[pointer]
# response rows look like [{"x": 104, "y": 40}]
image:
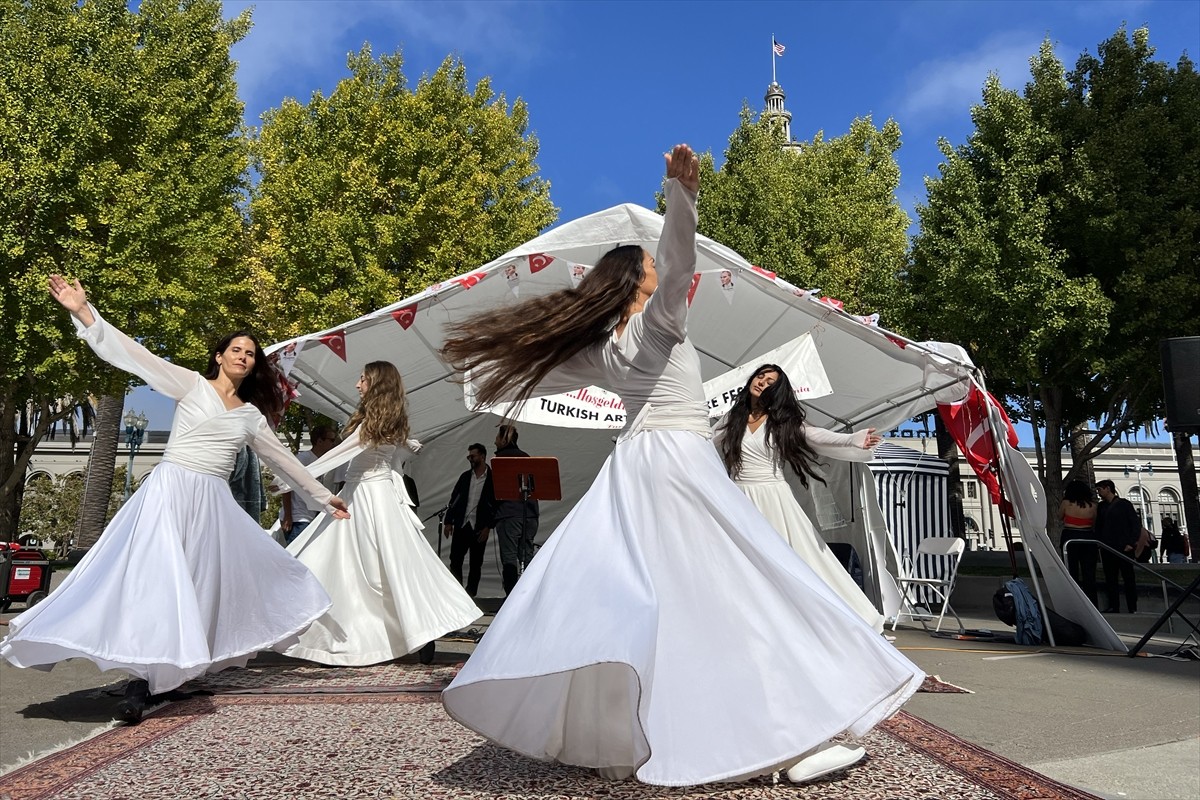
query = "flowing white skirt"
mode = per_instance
[
  {"x": 666, "y": 628},
  {"x": 182, "y": 582},
  {"x": 391, "y": 593},
  {"x": 777, "y": 503}
]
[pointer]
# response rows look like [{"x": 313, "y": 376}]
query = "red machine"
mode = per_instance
[{"x": 24, "y": 575}]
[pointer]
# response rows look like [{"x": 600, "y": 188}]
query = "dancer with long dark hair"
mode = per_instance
[
  {"x": 765, "y": 433},
  {"x": 664, "y": 629},
  {"x": 391, "y": 593},
  {"x": 182, "y": 581}
]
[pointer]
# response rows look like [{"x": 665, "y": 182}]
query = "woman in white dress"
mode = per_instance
[
  {"x": 664, "y": 630},
  {"x": 391, "y": 593},
  {"x": 764, "y": 431},
  {"x": 182, "y": 581}
]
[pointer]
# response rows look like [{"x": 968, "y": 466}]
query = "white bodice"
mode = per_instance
[
  {"x": 759, "y": 462},
  {"x": 205, "y": 435}
]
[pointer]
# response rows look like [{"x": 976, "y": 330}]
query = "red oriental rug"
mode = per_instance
[{"x": 277, "y": 740}]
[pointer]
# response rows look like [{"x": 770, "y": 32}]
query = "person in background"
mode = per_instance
[
  {"x": 1078, "y": 514},
  {"x": 1119, "y": 527},
  {"x": 245, "y": 482},
  {"x": 294, "y": 514},
  {"x": 516, "y": 521},
  {"x": 469, "y": 517},
  {"x": 1174, "y": 544}
]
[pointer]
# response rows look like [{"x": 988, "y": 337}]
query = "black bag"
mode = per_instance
[{"x": 1004, "y": 606}]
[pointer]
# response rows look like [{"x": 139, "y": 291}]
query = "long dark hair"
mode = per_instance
[
  {"x": 510, "y": 350},
  {"x": 1079, "y": 493},
  {"x": 785, "y": 427},
  {"x": 382, "y": 414},
  {"x": 260, "y": 387}
]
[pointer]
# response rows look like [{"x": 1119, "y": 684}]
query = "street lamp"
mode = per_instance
[
  {"x": 135, "y": 429},
  {"x": 1138, "y": 467}
]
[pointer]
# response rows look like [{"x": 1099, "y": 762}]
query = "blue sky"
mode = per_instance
[{"x": 611, "y": 84}]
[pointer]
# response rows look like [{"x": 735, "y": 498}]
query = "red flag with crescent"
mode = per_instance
[
  {"x": 539, "y": 261},
  {"x": 405, "y": 316},
  {"x": 766, "y": 273},
  {"x": 467, "y": 281},
  {"x": 967, "y": 421},
  {"x": 336, "y": 342}
]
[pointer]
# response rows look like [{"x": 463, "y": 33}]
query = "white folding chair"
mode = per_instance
[{"x": 947, "y": 547}]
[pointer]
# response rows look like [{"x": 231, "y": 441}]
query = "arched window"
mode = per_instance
[
  {"x": 1168, "y": 505},
  {"x": 1141, "y": 502}
]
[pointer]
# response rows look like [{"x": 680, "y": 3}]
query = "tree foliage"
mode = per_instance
[
  {"x": 51, "y": 508},
  {"x": 122, "y": 164},
  {"x": 378, "y": 190},
  {"x": 1059, "y": 243},
  {"x": 822, "y": 214}
]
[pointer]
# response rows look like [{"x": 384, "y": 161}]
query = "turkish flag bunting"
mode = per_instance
[
  {"x": 405, "y": 316},
  {"x": 692, "y": 290},
  {"x": 336, "y": 342},
  {"x": 838, "y": 304},
  {"x": 764, "y": 272},
  {"x": 539, "y": 261},
  {"x": 967, "y": 421},
  {"x": 467, "y": 281}
]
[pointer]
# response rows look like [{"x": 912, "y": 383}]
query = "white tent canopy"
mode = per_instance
[{"x": 878, "y": 379}]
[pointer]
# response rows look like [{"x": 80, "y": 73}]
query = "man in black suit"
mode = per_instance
[
  {"x": 516, "y": 521},
  {"x": 469, "y": 517},
  {"x": 1118, "y": 526}
]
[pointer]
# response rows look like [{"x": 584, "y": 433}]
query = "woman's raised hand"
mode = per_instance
[
  {"x": 683, "y": 164},
  {"x": 873, "y": 439},
  {"x": 72, "y": 297}
]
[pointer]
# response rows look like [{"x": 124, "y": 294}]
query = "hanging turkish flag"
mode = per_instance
[
  {"x": 692, "y": 290},
  {"x": 766, "y": 273},
  {"x": 336, "y": 342},
  {"x": 405, "y": 316},
  {"x": 467, "y": 281},
  {"x": 539, "y": 261},
  {"x": 833, "y": 302},
  {"x": 967, "y": 421}
]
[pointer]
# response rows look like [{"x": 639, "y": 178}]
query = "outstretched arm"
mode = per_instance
[
  {"x": 666, "y": 310},
  {"x": 118, "y": 349},
  {"x": 857, "y": 446},
  {"x": 285, "y": 465}
]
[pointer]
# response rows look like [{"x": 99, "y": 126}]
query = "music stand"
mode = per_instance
[{"x": 525, "y": 478}]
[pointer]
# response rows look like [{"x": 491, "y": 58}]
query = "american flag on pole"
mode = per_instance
[{"x": 777, "y": 47}]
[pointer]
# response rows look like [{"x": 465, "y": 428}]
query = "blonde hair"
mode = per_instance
[{"x": 382, "y": 414}]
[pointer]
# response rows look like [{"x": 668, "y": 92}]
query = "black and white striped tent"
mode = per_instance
[{"x": 912, "y": 493}]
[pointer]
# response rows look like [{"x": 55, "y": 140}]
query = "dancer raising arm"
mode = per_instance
[
  {"x": 664, "y": 629},
  {"x": 182, "y": 581},
  {"x": 391, "y": 593},
  {"x": 764, "y": 431}
]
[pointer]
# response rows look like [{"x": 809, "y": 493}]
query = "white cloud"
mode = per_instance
[
  {"x": 944, "y": 87},
  {"x": 297, "y": 47}
]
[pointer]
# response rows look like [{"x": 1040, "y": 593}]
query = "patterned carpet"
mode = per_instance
[{"x": 380, "y": 732}]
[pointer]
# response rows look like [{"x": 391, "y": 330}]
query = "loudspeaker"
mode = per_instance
[{"x": 1181, "y": 382}]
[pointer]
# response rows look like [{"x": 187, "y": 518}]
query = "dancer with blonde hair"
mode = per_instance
[{"x": 391, "y": 593}]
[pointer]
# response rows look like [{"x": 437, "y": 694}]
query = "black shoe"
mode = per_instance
[
  {"x": 426, "y": 652},
  {"x": 133, "y": 704}
]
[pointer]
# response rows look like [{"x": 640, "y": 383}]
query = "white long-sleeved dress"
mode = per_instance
[
  {"x": 762, "y": 479},
  {"x": 182, "y": 581},
  {"x": 665, "y": 629},
  {"x": 391, "y": 593}
]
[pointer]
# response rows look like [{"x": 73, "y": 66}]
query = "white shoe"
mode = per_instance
[{"x": 827, "y": 758}]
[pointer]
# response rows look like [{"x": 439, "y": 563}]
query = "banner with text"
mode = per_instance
[{"x": 798, "y": 358}]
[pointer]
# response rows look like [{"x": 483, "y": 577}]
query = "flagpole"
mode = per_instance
[{"x": 772, "y": 58}]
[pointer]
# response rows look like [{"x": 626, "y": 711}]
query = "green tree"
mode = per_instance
[
  {"x": 1059, "y": 244},
  {"x": 822, "y": 214},
  {"x": 122, "y": 162},
  {"x": 377, "y": 190}
]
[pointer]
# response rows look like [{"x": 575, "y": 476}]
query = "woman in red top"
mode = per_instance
[{"x": 1078, "y": 513}]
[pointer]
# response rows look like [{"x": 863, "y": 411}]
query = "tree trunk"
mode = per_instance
[
  {"x": 10, "y": 504},
  {"x": 1083, "y": 469},
  {"x": 1052, "y": 482},
  {"x": 1187, "y": 483},
  {"x": 102, "y": 462}
]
